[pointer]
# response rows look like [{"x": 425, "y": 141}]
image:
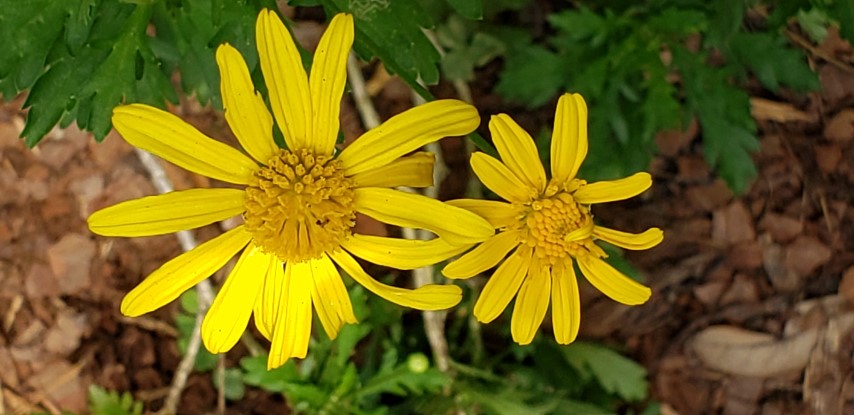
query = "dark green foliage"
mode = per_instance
[
  {"x": 80, "y": 59},
  {"x": 392, "y": 31},
  {"x": 623, "y": 60}
]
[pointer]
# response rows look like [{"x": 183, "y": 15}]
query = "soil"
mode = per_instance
[{"x": 751, "y": 312}]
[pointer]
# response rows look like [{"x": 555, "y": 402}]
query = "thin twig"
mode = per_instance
[
  {"x": 808, "y": 45},
  {"x": 205, "y": 292},
  {"x": 364, "y": 105},
  {"x": 252, "y": 345},
  {"x": 219, "y": 380},
  {"x": 434, "y": 321}
]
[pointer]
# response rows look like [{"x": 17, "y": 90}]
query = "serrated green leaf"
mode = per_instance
[
  {"x": 29, "y": 30},
  {"x": 401, "y": 381},
  {"x": 580, "y": 25},
  {"x": 679, "y": 22},
  {"x": 102, "y": 59},
  {"x": 392, "y": 31},
  {"x": 256, "y": 373},
  {"x": 616, "y": 373},
  {"x": 104, "y": 402},
  {"x": 724, "y": 115},
  {"x": 726, "y": 17},
  {"x": 773, "y": 63},
  {"x": 531, "y": 76}
]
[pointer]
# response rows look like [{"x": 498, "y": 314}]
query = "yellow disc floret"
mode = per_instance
[
  {"x": 300, "y": 205},
  {"x": 557, "y": 225}
]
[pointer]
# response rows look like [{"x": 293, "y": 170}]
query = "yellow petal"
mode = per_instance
[
  {"x": 426, "y": 297},
  {"x": 612, "y": 190},
  {"x": 228, "y": 316},
  {"x": 293, "y": 320},
  {"x": 498, "y": 178},
  {"x": 634, "y": 241},
  {"x": 330, "y": 297},
  {"x": 245, "y": 110},
  {"x": 611, "y": 282},
  {"x": 566, "y": 304},
  {"x": 284, "y": 74},
  {"x": 415, "y": 170},
  {"x": 457, "y": 226},
  {"x": 485, "y": 256},
  {"x": 408, "y": 131},
  {"x": 569, "y": 138},
  {"x": 531, "y": 304},
  {"x": 401, "y": 253},
  {"x": 326, "y": 83},
  {"x": 498, "y": 214},
  {"x": 503, "y": 285},
  {"x": 270, "y": 298},
  {"x": 183, "y": 272},
  {"x": 167, "y": 213},
  {"x": 517, "y": 151},
  {"x": 177, "y": 142}
]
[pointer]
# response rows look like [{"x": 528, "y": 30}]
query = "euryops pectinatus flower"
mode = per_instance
[
  {"x": 299, "y": 204},
  {"x": 546, "y": 223}
]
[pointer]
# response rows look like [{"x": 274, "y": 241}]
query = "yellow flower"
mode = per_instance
[
  {"x": 299, "y": 204},
  {"x": 548, "y": 222}
]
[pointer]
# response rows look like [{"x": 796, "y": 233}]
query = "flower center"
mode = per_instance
[
  {"x": 558, "y": 226},
  {"x": 299, "y": 206}
]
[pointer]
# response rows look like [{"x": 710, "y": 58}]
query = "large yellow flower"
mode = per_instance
[
  {"x": 548, "y": 222},
  {"x": 298, "y": 204}
]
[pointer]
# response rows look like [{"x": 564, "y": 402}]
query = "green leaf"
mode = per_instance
[
  {"x": 189, "y": 32},
  {"x": 814, "y": 22},
  {"x": 29, "y": 30},
  {"x": 616, "y": 373},
  {"x": 233, "y": 382},
  {"x": 276, "y": 380},
  {"x": 724, "y": 115},
  {"x": 773, "y": 62},
  {"x": 470, "y": 9},
  {"x": 726, "y": 18},
  {"x": 189, "y": 301},
  {"x": 402, "y": 381},
  {"x": 531, "y": 76},
  {"x": 103, "y": 58},
  {"x": 581, "y": 25},
  {"x": 843, "y": 12},
  {"x": 104, "y": 402},
  {"x": 205, "y": 360},
  {"x": 392, "y": 31},
  {"x": 466, "y": 51}
]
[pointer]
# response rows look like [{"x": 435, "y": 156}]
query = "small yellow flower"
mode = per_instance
[
  {"x": 549, "y": 223},
  {"x": 299, "y": 204}
]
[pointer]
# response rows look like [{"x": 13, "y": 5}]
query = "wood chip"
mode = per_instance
[
  {"x": 70, "y": 260},
  {"x": 733, "y": 224},
  {"x": 767, "y": 110},
  {"x": 846, "y": 286},
  {"x": 828, "y": 157},
  {"x": 781, "y": 227},
  {"x": 806, "y": 254},
  {"x": 840, "y": 128},
  {"x": 737, "y": 351}
]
